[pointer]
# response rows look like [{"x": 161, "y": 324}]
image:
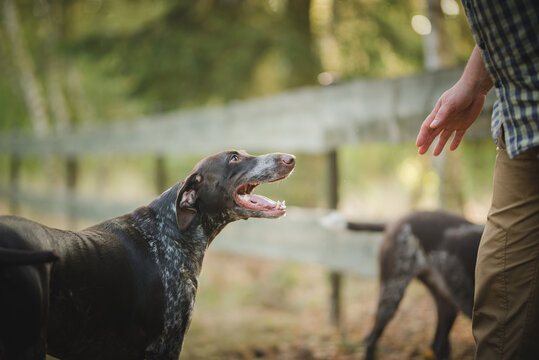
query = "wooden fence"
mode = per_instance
[{"x": 311, "y": 120}]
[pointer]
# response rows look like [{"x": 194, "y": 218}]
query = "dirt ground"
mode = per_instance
[{"x": 261, "y": 309}]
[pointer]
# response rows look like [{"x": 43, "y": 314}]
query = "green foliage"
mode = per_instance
[
  {"x": 136, "y": 57},
  {"x": 201, "y": 52},
  {"x": 376, "y": 38},
  {"x": 478, "y": 159},
  {"x": 13, "y": 112}
]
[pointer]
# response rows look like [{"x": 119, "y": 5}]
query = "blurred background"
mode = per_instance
[{"x": 70, "y": 67}]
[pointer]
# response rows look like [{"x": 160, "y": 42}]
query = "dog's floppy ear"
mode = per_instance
[{"x": 186, "y": 201}]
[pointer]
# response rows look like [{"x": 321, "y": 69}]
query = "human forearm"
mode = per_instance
[{"x": 475, "y": 75}]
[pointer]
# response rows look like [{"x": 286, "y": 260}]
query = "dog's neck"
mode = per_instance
[
  {"x": 178, "y": 256},
  {"x": 192, "y": 242}
]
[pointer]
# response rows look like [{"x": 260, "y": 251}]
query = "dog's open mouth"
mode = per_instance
[{"x": 246, "y": 199}]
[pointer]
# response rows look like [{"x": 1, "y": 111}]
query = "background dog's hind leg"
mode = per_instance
[
  {"x": 447, "y": 313},
  {"x": 401, "y": 259},
  {"x": 391, "y": 293}
]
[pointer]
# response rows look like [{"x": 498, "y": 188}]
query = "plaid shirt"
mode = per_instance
[{"x": 507, "y": 33}]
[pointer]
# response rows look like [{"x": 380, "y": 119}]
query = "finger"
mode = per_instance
[
  {"x": 424, "y": 133},
  {"x": 433, "y": 133},
  {"x": 443, "y": 113},
  {"x": 423, "y": 149},
  {"x": 444, "y": 136},
  {"x": 457, "y": 139},
  {"x": 434, "y": 112},
  {"x": 425, "y": 129}
]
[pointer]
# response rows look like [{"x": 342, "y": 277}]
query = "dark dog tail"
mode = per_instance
[
  {"x": 13, "y": 257},
  {"x": 360, "y": 226}
]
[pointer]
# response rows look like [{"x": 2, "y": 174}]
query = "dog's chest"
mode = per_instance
[{"x": 180, "y": 284}]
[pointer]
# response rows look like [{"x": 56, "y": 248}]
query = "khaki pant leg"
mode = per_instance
[{"x": 506, "y": 305}]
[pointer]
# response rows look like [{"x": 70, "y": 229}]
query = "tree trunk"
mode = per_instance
[
  {"x": 436, "y": 56},
  {"x": 304, "y": 60},
  {"x": 28, "y": 81},
  {"x": 323, "y": 27}
]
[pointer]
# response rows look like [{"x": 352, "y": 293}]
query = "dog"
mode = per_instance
[
  {"x": 23, "y": 293},
  {"x": 440, "y": 250},
  {"x": 125, "y": 288}
]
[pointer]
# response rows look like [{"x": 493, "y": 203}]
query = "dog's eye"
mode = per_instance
[{"x": 234, "y": 158}]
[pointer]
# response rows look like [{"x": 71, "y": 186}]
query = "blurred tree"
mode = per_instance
[
  {"x": 375, "y": 39},
  {"x": 437, "y": 55},
  {"x": 29, "y": 84},
  {"x": 208, "y": 51},
  {"x": 111, "y": 59}
]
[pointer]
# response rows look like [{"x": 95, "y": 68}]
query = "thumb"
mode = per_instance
[{"x": 441, "y": 115}]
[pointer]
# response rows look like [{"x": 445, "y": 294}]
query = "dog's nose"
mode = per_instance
[{"x": 288, "y": 159}]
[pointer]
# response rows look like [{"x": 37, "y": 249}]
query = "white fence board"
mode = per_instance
[
  {"x": 299, "y": 236},
  {"x": 310, "y": 120}
]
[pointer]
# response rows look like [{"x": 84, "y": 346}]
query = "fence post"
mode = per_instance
[
  {"x": 14, "y": 175},
  {"x": 450, "y": 193},
  {"x": 71, "y": 179},
  {"x": 335, "y": 278},
  {"x": 160, "y": 174}
]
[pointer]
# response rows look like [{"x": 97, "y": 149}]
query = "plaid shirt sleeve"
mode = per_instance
[{"x": 507, "y": 33}]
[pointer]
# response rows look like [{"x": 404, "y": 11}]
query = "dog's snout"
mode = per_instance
[{"x": 288, "y": 160}]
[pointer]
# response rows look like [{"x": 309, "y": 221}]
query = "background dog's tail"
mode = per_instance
[
  {"x": 12, "y": 257},
  {"x": 363, "y": 226},
  {"x": 334, "y": 220}
]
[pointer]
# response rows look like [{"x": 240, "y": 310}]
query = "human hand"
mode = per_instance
[{"x": 455, "y": 112}]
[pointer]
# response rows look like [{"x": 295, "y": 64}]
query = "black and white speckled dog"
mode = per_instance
[
  {"x": 125, "y": 288},
  {"x": 440, "y": 250}
]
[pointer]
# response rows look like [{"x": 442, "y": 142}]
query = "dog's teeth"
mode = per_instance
[{"x": 284, "y": 203}]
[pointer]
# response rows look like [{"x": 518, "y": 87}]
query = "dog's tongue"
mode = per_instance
[{"x": 259, "y": 202}]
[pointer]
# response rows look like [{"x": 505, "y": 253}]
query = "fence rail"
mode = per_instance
[
  {"x": 311, "y": 120},
  {"x": 300, "y": 236}
]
